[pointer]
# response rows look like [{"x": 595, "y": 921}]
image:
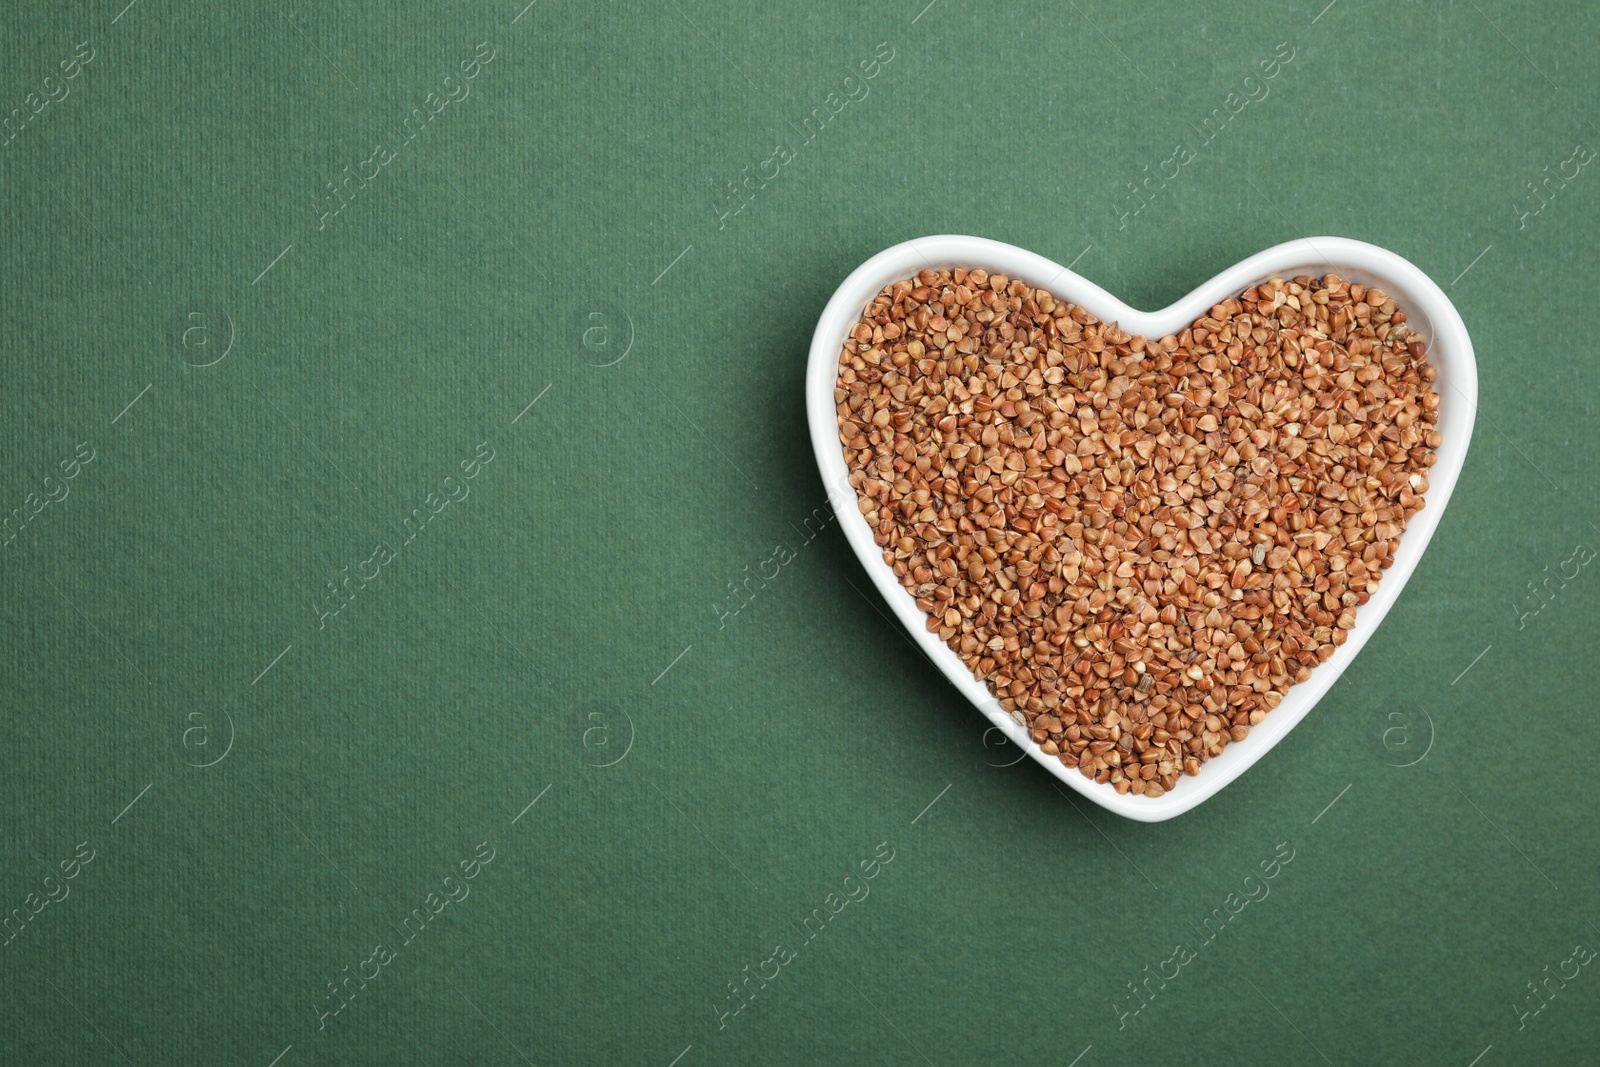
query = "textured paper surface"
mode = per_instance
[{"x": 371, "y": 523}]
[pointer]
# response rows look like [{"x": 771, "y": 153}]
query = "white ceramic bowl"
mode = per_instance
[{"x": 1428, "y": 311}]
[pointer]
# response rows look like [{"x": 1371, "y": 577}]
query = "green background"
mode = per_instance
[{"x": 568, "y": 612}]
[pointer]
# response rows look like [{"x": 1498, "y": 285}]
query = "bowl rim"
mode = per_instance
[{"x": 1428, "y": 310}]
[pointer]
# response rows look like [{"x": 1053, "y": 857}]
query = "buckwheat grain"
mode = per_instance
[{"x": 1138, "y": 545}]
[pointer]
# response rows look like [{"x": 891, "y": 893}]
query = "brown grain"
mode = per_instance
[{"x": 1138, "y": 545}]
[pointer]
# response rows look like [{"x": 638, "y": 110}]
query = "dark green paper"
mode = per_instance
[{"x": 293, "y": 274}]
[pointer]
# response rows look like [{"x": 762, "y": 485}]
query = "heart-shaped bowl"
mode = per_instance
[{"x": 1428, "y": 312}]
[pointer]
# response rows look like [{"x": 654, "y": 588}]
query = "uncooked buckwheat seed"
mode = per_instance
[{"x": 1139, "y": 546}]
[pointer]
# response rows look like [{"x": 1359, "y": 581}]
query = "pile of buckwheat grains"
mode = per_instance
[{"x": 1138, "y": 545}]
